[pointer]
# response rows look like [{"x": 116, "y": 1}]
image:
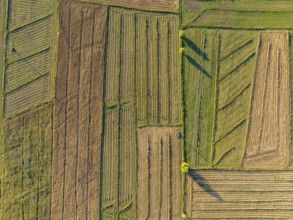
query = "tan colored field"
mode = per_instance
[
  {"x": 78, "y": 112},
  {"x": 159, "y": 177},
  {"x": 239, "y": 194},
  {"x": 268, "y": 137}
]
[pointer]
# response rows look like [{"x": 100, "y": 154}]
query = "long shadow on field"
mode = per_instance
[
  {"x": 203, "y": 183},
  {"x": 195, "y": 48},
  {"x": 197, "y": 66}
]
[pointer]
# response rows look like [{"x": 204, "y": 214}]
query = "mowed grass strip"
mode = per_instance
[
  {"x": 110, "y": 162},
  {"x": 199, "y": 89},
  {"x": 153, "y": 71},
  {"x": 191, "y": 97},
  {"x": 175, "y": 83},
  {"x": 127, "y": 141},
  {"x": 127, "y": 155},
  {"x": 141, "y": 69},
  {"x": 234, "y": 19},
  {"x": 163, "y": 78},
  {"x": 113, "y": 52},
  {"x": 159, "y": 92},
  {"x": 127, "y": 82}
]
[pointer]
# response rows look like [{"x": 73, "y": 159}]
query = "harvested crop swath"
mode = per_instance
[
  {"x": 163, "y": 78},
  {"x": 79, "y": 111},
  {"x": 127, "y": 144},
  {"x": 268, "y": 134},
  {"x": 159, "y": 158},
  {"x": 158, "y": 82},
  {"x": 141, "y": 69},
  {"x": 113, "y": 63},
  {"x": 110, "y": 162},
  {"x": 152, "y": 35},
  {"x": 32, "y": 93},
  {"x": 127, "y": 160},
  {"x": 24, "y": 71},
  {"x": 28, "y": 11},
  {"x": 28, "y": 66},
  {"x": 27, "y": 164},
  {"x": 127, "y": 82},
  {"x": 175, "y": 83},
  {"x": 119, "y": 131},
  {"x": 19, "y": 41}
]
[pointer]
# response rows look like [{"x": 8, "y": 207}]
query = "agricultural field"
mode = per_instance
[
  {"x": 142, "y": 89},
  {"x": 27, "y": 165},
  {"x": 236, "y": 76},
  {"x": 269, "y": 133},
  {"x": 28, "y": 67},
  {"x": 146, "y": 109},
  {"x": 237, "y": 109},
  {"x": 159, "y": 179},
  {"x": 27, "y": 71},
  {"x": 100, "y": 106},
  {"x": 238, "y": 194},
  {"x": 78, "y": 111}
]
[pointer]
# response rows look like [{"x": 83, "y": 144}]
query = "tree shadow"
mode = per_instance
[
  {"x": 203, "y": 183},
  {"x": 197, "y": 66},
  {"x": 195, "y": 48}
]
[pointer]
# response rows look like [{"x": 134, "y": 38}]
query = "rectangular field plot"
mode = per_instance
[
  {"x": 269, "y": 131},
  {"x": 159, "y": 177},
  {"x": 79, "y": 111},
  {"x": 146, "y": 63},
  {"x": 29, "y": 54},
  {"x": 239, "y": 194},
  {"x": 142, "y": 87},
  {"x": 27, "y": 165}
]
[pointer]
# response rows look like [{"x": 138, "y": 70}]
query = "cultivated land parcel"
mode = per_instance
[{"x": 146, "y": 109}]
